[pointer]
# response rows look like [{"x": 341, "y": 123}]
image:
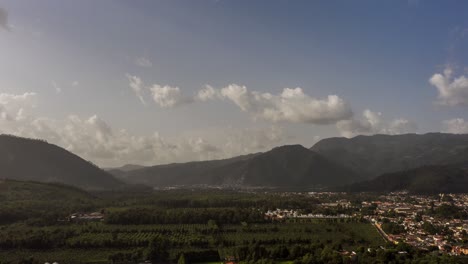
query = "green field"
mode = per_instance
[{"x": 96, "y": 242}]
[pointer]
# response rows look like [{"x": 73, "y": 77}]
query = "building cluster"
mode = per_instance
[
  {"x": 417, "y": 218},
  {"x": 420, "y": 227},
  {"x": 281, "y": 214},
  {"x": 86, "y": 217}
]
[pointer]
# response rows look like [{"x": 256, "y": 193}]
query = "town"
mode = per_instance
[{"x": 431, "y": 223}]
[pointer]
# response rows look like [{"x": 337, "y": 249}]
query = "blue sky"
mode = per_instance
[{"x": 393, "y": 67}]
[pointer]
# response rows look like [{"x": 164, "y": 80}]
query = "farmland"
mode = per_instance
[{"x": 99, "y": 242}]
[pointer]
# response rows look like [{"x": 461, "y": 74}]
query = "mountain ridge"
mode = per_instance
[
  {"x": 375, "y": 155},
  {"x": 289, "y": 165}
]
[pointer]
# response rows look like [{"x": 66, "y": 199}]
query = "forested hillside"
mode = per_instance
[
  {"x": 36, "y": 160},
  {"x": 372, "y": 156}
]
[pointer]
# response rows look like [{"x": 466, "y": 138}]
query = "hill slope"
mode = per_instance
[
  {"x": 372, "y": 156},
  {"x": 15, "y": 191},
  {"x": 287, "y": 166},
  {"x": 40, "y": 203},
  {"x": 35, "y": 160},
  {"x": 424, "y": 180}
]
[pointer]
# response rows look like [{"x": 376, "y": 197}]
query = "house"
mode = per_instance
[
  {"x": 458, "y": 250},
  {"x": 85, "y": 217}
]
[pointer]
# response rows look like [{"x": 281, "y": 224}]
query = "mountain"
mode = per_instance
[
  {"x": 120, "y": 172},
  {"x": 423, "y": 180},
  {"x": 372, "y": 156},
  {"x": 36, "y": 160},
  {"x": 286, "y": 166},
  {"x": 127, "y": 167},
  {"x": 190, "y": 173}
]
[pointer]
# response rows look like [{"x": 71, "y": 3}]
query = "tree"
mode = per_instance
[
  {"x": 158, "y": 249},
  {"x": 182, "y": 259}
]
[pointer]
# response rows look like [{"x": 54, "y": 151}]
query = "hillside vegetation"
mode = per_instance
[
  {"x": 40, "y": 203},
  {"x": 371, "y": 156},
  {"x": 424, "y": 180},
  {"x": 286, "y": 166}
]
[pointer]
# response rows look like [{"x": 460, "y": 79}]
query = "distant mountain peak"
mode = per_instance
[{"x": 295, "y": 147}]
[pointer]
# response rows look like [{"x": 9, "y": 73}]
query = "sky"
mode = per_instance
[{"x": 155, "y": 82}]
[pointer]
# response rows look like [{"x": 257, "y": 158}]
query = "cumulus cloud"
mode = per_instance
[
  {"x": 452, "y": 90},
  {"x": 13, "y": 106},
  {"x": 167, "y": 96},
  {"x": 207, "y": 93},
  {"x": 456, "y": 126},
  {"x": 4, "y": 20},
  {"x": 137, "y": 86},
  {"x": 143, "y": 62},
  {"x": 373, "y": 123},
  {"x": 292, "y": 105}
]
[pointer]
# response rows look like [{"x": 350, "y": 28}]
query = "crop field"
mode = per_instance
[{"x": 98, "y": 242}]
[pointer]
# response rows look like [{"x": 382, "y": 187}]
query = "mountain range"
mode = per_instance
[
  {"x": 331, "y": 162},
  {"x": 371, "y": 156},
  {"x": 286, "y": 166}
]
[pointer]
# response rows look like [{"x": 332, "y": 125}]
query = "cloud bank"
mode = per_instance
[
  {"x": 291, "y": 105},
  {"x": 96, "y": 140},
  {"x": 167, "y": 96},
  {"x": 373, "y": 123},
  {"x": 455, "y": 126}
]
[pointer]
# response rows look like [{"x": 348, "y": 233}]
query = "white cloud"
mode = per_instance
[
  {"x": 137, "y": 86},
  {"x": 373, "y": 123},
  {"x": 207, "y": 93},
  {"x": 75, "y": 83},
  {"x": 292, "y": 105},
  {"x": 167, "y": 96},
  {"x": 456, "y": 126},
  {"x": 143, "y": 62},
  {"x": 15, "y": 99},
  {"x": 4, "y": 20},
  {"x": 452, "y": 91}
]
